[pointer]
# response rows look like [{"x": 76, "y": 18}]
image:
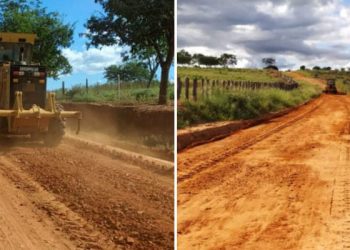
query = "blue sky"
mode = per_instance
[{"x": 86, "y": 63}]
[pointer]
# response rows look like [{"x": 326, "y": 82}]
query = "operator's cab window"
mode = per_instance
[{"x": 17, "y": 53}]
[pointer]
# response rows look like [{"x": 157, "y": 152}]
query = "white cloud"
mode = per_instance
[
  {"x": 270, "y": 9},
  {"x": 93, "y": 61},
  {"x": 295, "y": 32}
]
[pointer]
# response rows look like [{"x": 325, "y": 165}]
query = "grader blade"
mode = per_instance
[{"x": 18, "y": 116}]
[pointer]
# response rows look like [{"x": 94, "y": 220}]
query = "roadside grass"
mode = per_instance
[
  {"x": 244, "y": 104},
  {"x": 226, "y": 74},
  {"x": 342, "y": 87},
  {"x": 131, "y": 93}
]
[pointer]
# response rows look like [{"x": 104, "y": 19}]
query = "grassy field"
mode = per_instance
[
  {"x": 226, "y": 74},
  {"x": 345, "y": 88},
  {"x": 130, "y": 93},
  {"x": 244, "y": 104}
]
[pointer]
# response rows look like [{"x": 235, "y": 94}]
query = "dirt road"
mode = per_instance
[
  {"x": 77, "y": 196},
  {"x": 284, "y": 184}
]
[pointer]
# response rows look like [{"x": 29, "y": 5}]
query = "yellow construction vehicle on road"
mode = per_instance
[{"x": 26, "y": 108}]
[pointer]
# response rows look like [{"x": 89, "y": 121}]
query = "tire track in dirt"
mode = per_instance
[
  {"x": 248, "y": 143},
  {"x": 22, "y": 226},
  {"x": 275, "y": 194},
  {"x": 93, "y": 198},
  {"x": 340, "y": 199}
]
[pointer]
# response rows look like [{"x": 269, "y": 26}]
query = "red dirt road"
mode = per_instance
[
  {"x": 76, "y": 196},
  {"x": 284, "y": 184}
]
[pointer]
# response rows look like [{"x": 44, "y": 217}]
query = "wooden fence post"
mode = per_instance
[
  {"x": 187, "y": 87},
  {"x": 207, "y": 89},
  {"x": 203, "y": 86},
  {"x": 63, "y": 88},
  {"x": 87, "y": 85},
  {"x": 194, "y": 92},
  {"x": 179, "y": 88}
]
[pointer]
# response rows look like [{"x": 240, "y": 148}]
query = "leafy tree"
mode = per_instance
[
  {"x": 269, "y": 61},
  {"x": 53, "y": 33},
  {"x": 227, "y": 59},
  {"x": 183, "y": 57},
  {"x": 196, "y": 58},
  {"x": 205, "y": 60},
  {"x": 209, "y": 61},
  {"x": 148, "y": 57},
  {"x": 316, "y": 68},
  {"x": 138, "y": 24},
  {"x": 130, "y": 72},
  {"x": 327, "y": 68},
  {"x": 302, "y": 67}
]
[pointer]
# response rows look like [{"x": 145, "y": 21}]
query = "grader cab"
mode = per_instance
[{"x": 25, "y": 106}]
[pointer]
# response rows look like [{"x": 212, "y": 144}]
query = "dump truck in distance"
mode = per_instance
[{"x": 26, "y": 108}]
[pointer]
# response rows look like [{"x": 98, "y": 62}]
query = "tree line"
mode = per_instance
[
  {"x": 225, "y": 60},
  {"x": 327, "y": 68}
]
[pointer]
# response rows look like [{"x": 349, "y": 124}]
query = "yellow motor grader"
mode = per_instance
[{"x": 26, "y": 108}]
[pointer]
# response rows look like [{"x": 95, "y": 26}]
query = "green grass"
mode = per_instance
[
  {"x": 226, "y": 74},
  {"x": 245, "y": 104},
  {"x": 132, "y": 93},
  {"x": 342, "y": 87}
]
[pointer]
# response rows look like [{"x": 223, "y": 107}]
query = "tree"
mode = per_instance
[
  {"x": 327, "y": 68},
  {"x": 138, "y": 24},
  {"x": 316, "y": 68},
  {"x": 205, "y": 60},
  {"x": 183, "y": 57},
  {"x": 269, "y": 61},
  {"x": 227, "y": 59},
  {"x": 302, "y": 67},
  {"x": 196, "y": 58},
  {"x": 130, "y": 72},
  {"x": 208, "y": 61},
  {"x": 148, "y": 57},
  {"x": 53, "y": 33}
]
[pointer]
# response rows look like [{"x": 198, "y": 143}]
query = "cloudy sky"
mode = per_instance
[
  {"x": 295, "y": 32},
  {"x": 86, "y": 63}
]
